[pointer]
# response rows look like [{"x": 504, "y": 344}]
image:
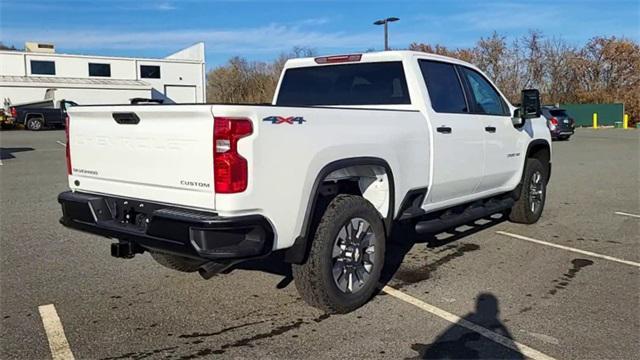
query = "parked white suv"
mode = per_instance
[{"x": 352, "y": 145}]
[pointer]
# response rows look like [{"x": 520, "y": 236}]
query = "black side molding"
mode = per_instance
[
  {"x": 126, "y": 118},
  {"x": 411, "y": 205}
]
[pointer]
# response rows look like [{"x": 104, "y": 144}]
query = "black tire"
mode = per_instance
[
  {"x": 315, "y": 279},
  {"x": 34, "y": 124},
  {"x": 563, "y": 138},
  {"x": 523, "y": 211},
  {"x": 177, "y": 263}
]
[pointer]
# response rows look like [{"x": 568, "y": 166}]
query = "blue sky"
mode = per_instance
[{"x": 260, "y": 30}]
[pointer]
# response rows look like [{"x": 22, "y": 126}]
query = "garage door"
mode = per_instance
[{"x": 180, "y": 94}]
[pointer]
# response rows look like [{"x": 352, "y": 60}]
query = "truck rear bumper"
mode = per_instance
[{"x": 158, "y": 227}]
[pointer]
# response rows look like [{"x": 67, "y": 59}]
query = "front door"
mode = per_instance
[{"x": 502, "y": 157}]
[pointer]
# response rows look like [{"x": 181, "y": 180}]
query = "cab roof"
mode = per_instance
[{"x": 394, "y": 55}]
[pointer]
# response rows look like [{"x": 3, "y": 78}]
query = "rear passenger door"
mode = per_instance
[
  {"x": 488, "y": 108},
  {"x": 458, "y": 143}
]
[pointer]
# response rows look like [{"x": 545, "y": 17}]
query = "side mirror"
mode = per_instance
[{"x": 530, "y": 104}]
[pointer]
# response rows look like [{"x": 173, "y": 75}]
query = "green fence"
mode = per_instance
[{"x": 608, "y": 114}]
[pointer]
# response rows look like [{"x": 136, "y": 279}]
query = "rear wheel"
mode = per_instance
[
  {"x": 533, "y": 193},
  {"x": 177, "y": 263},
  {"x": 346, "y": 257},
  {"x": 35, "y": 123}
]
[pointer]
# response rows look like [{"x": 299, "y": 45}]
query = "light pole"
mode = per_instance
[{"x": 386, "y": 31}]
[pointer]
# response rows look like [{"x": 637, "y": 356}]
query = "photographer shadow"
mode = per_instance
[{"x": 458, "y": 342}]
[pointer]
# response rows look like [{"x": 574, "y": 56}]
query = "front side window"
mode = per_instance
[
  {"x": 443, "y": 85},
  {"x": 485, "y": 98},
  {"x": 150, "y": 71},
  {"x": 39, "y": 67},
  {"x": 103, "y": 70},
  {"x": 376, "y": 83}
]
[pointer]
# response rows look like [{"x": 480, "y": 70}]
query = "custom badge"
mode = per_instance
[{"x": 285, "y": 120}]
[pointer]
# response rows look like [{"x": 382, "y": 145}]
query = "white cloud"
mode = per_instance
[{"x": 271, "y": 38}]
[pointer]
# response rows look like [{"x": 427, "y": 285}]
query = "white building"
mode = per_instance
[{"x": 27, "y": 75}]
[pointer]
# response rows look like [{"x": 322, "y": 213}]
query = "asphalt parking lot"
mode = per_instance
[{"x": 565, "y": 288}]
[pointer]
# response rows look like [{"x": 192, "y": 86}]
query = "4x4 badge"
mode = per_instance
[{"x": 285, "y": 120}]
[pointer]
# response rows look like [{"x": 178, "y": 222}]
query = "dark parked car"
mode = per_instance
[
  {"x": 38, "y": 115},
  {"x": 560, "y": 124}
]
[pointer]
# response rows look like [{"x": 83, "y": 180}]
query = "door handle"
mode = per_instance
[
  {"x": 444, "y": 130},
  {"x": 490, "y": 129}
]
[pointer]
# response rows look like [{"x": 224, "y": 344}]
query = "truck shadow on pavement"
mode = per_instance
[
  {"x": 403, "y": 238},
  {"x": 7, "y": 153},
  {"x": 456, "y": 342},
  {"x": 399, "y": 244}
]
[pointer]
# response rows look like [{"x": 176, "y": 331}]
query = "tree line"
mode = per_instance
[{"x": 602, "y": 70}]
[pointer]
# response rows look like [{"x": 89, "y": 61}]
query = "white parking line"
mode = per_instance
[
  {"x": 495, "y": 337},
  {"x": 583, "y": 252},
  {"x": 58, "y": 343},
  {"x": 61, "y": 143},
  {"x": 627, "y": 214}
]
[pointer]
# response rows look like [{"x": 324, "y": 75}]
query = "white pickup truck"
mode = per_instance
[{"x": 351, "y": 146}]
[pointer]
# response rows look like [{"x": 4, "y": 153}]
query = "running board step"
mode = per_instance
[{"x": 470, "y": 214}]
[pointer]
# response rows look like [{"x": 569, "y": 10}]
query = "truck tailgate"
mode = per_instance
[{"x": 161, "y": 153}]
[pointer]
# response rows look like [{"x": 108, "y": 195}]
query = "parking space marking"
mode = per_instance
[
  {"x": 58, "y": 343},
  {"x": 495, "y": 337},
  {"x": 627, "y": 214},
  {"x": 61, "y": 143},
  {"x": 583, "y": 252}
]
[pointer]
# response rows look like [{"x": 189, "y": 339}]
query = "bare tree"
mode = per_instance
[
  {"x": 604, "y": 70},
  {"x": 241, "y": 81}
]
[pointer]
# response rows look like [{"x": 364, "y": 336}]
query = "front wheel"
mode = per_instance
[
  {"x": 346, "y": 257},
  {"x": 533, "y": 193}
]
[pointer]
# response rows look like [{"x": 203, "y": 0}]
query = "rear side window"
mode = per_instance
[
  {"x": 381, "y": 83},
  {"x": 443, "y": 84},
  {"x": 486, "y": 99}
]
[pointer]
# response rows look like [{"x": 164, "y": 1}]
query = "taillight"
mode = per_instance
[
  {"x": 68, "y": 145},
  {"x": 554, "y": 121},
  {"x": 14, "y": 112},
  {"x": 230, "y": 169}
]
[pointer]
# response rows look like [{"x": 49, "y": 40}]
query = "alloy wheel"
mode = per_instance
[{"x": 353, "y": 255}]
